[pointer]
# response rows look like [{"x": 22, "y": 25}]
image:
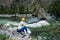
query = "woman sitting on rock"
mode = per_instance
[{"x": 22, "y": 28}]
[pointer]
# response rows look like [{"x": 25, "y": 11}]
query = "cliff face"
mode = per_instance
[
  {"x": 5, "y": 2},
  {"x": 43, "y": 2},
  {"x": 30, "y": 4},
  {"x": 46, "y": 2}
]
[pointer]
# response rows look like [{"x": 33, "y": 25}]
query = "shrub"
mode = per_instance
[{"x": 3, "y": 37}]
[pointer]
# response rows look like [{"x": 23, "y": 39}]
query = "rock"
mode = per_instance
[
  {"x": 15, "y": 35},
  {"x": 39, "y": 24},
  {"x": 3, "y": 27}
]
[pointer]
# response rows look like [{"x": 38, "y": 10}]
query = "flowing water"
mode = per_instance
[
  {"x": 37, "y": 33},
  {"x": 12, "y": 21},
  {"x": 15, "y": 35}
]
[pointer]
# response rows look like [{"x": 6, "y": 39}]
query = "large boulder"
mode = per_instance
[{"x": 3, "y": 27}]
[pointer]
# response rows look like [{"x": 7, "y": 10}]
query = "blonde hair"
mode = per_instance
[{"x": 22, "y": 19}]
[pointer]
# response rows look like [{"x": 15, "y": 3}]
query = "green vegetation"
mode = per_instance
[
  {"x": 3, "y": 37},
  {"x": 15, "y": 8},
  {"x": 51, "y": 32},
  {"x": 54, "y": 8}
]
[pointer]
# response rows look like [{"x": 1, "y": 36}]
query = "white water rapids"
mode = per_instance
[{"x": 18, "y": 36}]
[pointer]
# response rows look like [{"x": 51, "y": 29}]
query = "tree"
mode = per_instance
[
  {"x": 22, "y": 9},
  {"x": 6, "y": 10},
  {"x": 54, "y": 8},
  {"x": 1, "y": 9}
]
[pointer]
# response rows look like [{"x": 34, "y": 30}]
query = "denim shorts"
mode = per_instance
[{"x": 22, "y": 29}]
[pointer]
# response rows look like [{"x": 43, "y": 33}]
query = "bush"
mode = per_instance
[
  {"x": 3, "y": 37},
  {"x": 51, "y": 32},
  {"x": 54, "y": 8}
]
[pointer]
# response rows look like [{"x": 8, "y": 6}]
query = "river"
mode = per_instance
[{"x": 43, "y": 33}]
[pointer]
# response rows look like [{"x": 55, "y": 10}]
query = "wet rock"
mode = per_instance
[
  {"x": 3, "y": 27},
  {"x": 15, "y": 35}
]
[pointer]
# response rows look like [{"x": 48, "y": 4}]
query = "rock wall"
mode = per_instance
[{"x": 44, "y": 2}]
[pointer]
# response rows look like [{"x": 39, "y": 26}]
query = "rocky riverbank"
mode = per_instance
[{"x": 15, "y": 35}]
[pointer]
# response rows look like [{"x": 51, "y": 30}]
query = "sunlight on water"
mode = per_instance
[
  {"x": 15, "y": 23},
  {"x": 6, "y": 21}
]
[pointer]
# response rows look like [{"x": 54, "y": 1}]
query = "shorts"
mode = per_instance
[{"x": 22, "y": 29}]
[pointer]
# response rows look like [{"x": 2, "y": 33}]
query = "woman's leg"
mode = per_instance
[
  {"x": 25, "y": 28},
  {"x": 20, "y": 31}
]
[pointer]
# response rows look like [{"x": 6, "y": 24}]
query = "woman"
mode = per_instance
[{"x": 22, "y": 27}]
